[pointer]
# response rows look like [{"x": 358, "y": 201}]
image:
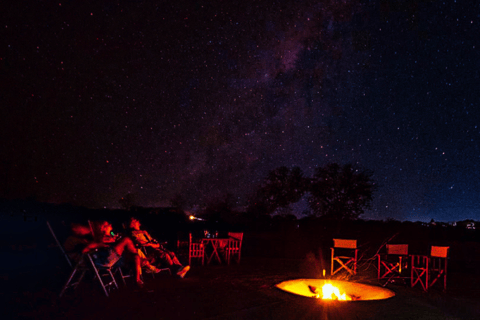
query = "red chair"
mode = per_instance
[
  {"x": 196, "y": 250},
  {"x": 393, "y": 263},
  {"x": 427, "y": 270},
  {"x": 345, "y": 254},
  {"x": 234, "y": 248}
]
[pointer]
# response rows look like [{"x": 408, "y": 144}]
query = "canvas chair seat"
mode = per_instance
[{"x": 344, "y": 255}]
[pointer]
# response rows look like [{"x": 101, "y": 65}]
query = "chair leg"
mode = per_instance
[
  {"x": 121, "y": 275},
  {"x": 331, "y": 259},
  {"x": 67, "y": 285}
]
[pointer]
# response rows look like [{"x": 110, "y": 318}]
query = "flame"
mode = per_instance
[{"x": 332, "y": 293}]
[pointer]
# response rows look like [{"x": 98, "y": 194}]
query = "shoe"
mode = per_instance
[
  {"x": 183, "y": 271},
  {"x": 153, "y": 269}
]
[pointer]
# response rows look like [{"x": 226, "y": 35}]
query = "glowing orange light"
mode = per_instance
[
  {"x": 332, "y": 293},
  {"x": 192, "y": 217}
]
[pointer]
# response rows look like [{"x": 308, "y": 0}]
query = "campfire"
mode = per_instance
[
  {"x": 329, "y": 292},
  {"x": 335, "y": 290}
]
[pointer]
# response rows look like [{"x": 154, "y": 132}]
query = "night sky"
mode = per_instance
[{"x": 202, "y": 98}]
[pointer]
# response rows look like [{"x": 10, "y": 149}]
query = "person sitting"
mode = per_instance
[
  {"x": 143, "y": 238},
  {"x": 111, "y": 248}
]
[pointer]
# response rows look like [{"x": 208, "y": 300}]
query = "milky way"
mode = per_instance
[{"x": 201, "y": 99}]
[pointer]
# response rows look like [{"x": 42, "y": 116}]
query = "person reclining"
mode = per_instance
[
  {"x": 143, "y": 238},
  {"x": 111, "y": 248}
]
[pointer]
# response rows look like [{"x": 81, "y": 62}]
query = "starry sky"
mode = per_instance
[{"x": 199, "y": 99}]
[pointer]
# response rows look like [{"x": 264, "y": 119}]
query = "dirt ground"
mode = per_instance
[{"x": 244, "y": 291}]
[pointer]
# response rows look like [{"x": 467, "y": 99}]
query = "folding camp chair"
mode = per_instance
[
  {"x": 426, "y": 270},
  {"x": 344, "y": 253},
  {"x": 104, "y": 275},
  {"x": 94, "y": 228},
  {"x": 392, "y": 265},
  {"x": 196, "y": 250},
  {"x": 145, "y": 252},
  {"x": 60, "y": 246},
  {"x": 234, "y": 247}
]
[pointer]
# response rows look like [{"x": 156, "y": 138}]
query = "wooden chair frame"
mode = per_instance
[
  {"x": 234, "y": 248},
  {"x": 427, "y": 270},
  {"x": 196, "y": 250},
  {"x": 348, "y": 258},
  {"x": 392, "y": 264}
]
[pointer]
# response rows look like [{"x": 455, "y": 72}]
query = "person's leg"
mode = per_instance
[
  {"x": 174, "y": 259},
  {"x": 128, "y": 245},
  {"x": 125, "y": 244},
  {"x": 138, "y": 269}
]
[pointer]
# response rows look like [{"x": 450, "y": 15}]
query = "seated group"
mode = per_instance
[{"x": 110, "y": 248}]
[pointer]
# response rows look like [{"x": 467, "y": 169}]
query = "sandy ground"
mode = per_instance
[{"x": 244, "y": 291}]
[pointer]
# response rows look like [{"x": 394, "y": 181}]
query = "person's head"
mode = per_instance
[
  {"x": 105, "y": 227},
  {"x": 80, "y": 230},
  {"x": 134, "y": 223}
]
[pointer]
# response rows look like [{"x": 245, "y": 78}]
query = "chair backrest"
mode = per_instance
[
  {"x": 345, "y": 243},
  {"x": 94, "y": 228},
  {"x": 439, "y": 252},
  {"x": 397, "y": 249},
  {"x": 193, "y": 244},
  {"x": 236, "y": 235}
]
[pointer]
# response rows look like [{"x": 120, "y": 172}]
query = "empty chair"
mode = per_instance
[
  {"x": 234, "y": 247},
  {"x": 427, "y": 270},
  {"x": 344, "y": 254},
  {"x": 196, "y": 250},
  {"x": 394, "y": 263}
]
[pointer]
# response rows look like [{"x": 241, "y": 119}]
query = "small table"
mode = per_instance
[{"x": 216, "y": 243}]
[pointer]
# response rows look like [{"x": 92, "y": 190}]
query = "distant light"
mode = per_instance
[{"x": 192, "y": 217}]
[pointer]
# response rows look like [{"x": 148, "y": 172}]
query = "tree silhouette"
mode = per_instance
[
  {"x": 280, "y": 188},
  {"x": 340, "y": 193}
]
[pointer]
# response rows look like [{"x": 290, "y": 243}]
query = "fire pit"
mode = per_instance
[{"x": 335, "y": 290}]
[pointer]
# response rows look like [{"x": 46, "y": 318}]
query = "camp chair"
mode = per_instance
[
  {"x": 60, "y": 246},
  {"x": 94, "y": 228},
  {"x": 144, "y": 252},
  {"x": 196, "y": 250},
  {"x": 234, "y": 247},
  {"x": 392, "y": 264},
  {"x": 426, "y": 270},
  {"x": 344, "y": 253},
  {"x": 104, "y": 275}
]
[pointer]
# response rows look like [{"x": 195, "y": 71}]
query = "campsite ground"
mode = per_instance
[{"x": 244, "y": 291}]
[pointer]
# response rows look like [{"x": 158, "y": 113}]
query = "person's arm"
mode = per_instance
[
  {"x": 140, "y": 238},
  {"x": 93, "y": 245}
]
